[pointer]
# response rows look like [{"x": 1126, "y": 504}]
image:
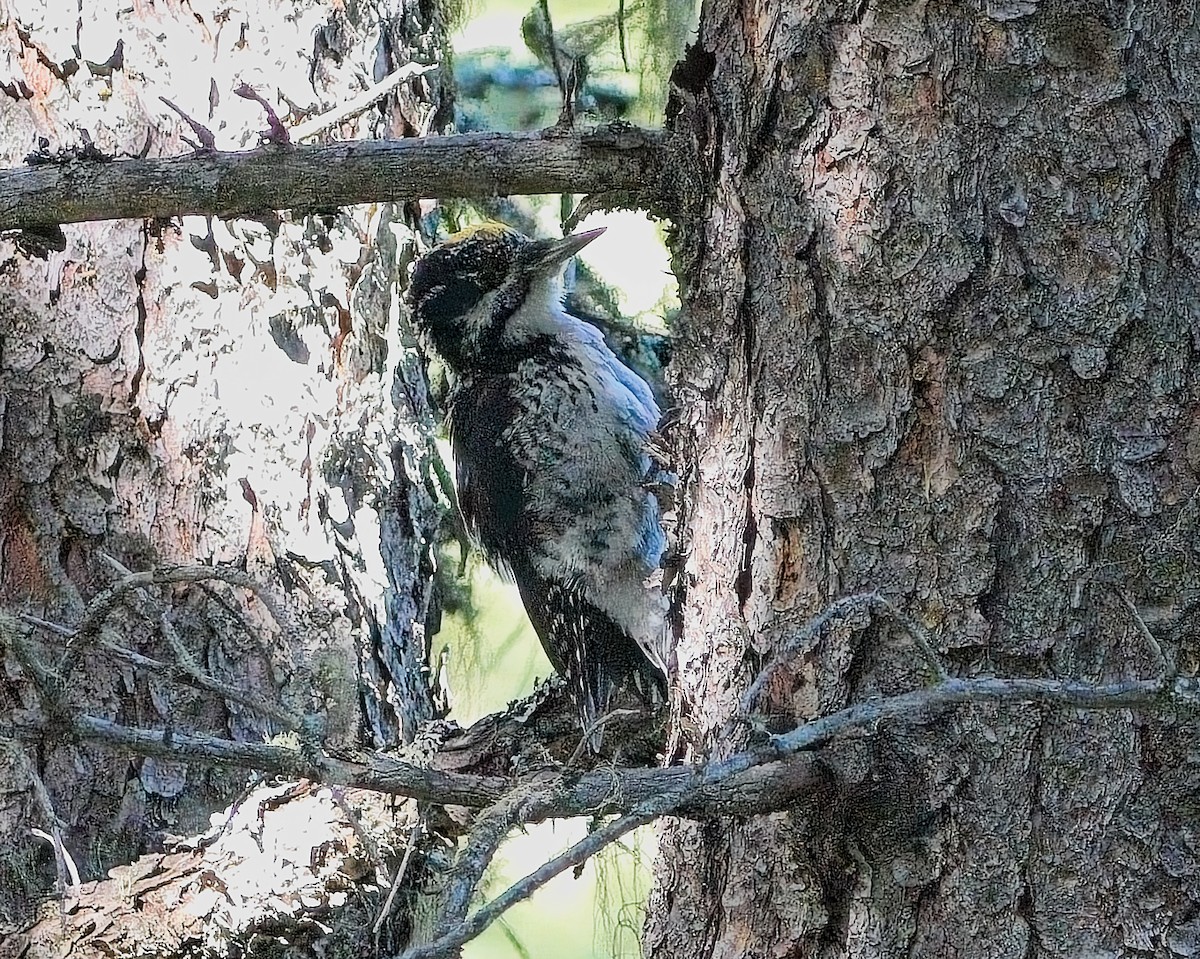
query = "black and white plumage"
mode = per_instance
[{"x": 550, "y": 431}]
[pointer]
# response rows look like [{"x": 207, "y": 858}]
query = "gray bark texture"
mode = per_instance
[
  {"x": 939, "y": 340},
  {"x": 208, "y": 392}
]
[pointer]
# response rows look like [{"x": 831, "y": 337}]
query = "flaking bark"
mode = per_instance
[
  {"x": 204, "y": 391},
  {"x": 938, "y": 340}
]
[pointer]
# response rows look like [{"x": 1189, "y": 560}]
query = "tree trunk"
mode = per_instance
[
  {"x": 938, "y": 341},
  {"x": 206, "y": 392}
]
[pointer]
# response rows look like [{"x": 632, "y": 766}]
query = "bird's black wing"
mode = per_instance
[{"x": 491, "y": 483}]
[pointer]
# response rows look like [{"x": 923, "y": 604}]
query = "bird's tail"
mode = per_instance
[{"x": 602, "y": 688}]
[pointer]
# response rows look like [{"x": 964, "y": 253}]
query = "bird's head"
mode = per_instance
[{"x": 489, "y": 293}]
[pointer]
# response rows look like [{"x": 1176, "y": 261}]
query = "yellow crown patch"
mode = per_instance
[{"x": 488, "y": 228}]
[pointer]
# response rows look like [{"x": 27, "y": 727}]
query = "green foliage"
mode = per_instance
[{"x": 510, "y": 80}]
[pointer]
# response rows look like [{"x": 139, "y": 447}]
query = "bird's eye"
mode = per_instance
[
  {"x": 450, "y": 300},
  {"x": 441, "y": 312}
]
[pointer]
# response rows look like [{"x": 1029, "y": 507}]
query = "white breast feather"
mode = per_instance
[{"x": 616, "y": 578}]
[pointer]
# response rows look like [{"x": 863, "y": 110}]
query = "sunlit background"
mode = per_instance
[{"x": 493, "y": 655}]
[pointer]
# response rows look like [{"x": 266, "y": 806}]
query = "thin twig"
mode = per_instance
[
  {"x": 413, "y": 835},
  {"x": 276, "y": 611},
  {"x": 489, "y": 830},
  {"x": 798, "y": 641},
  {"x": 552, "y": 41},
  {"x": 57, "y": 628},
  {"x": 190, "y": 673},
  {"x": 599, "y": 723},
  {"x": 179, "y": 673},
  {"x": 220, "y": 574},
  {"x": 338, "y": 794},
  {"x": 187, "y": 671},
  {"x": 621, "y": 34},
  {"x": 253, "y": 634},
  {"x": 204, "y": 136},
  {"x": 954, "y": 692},
  {"x": 450, "y": 942},
  {"x": 871, "y": 602},
  {"x": 361, "y": 103},
  {"x": 44, "y": 679},
  {"x": 917, "y": 633},
  {"x": 276, "y": 132},
  {"x": 102, "y": 606},
  {"x": 1162, "y": 664}
]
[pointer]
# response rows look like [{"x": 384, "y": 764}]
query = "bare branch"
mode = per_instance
[
  {"x": 1143, "y": 694},
  {"x": 359, "y": 104},
  {"x": 917, "y": 633},
  {"x": 761, "y": 779},
  {"x": 230, "y": 575},
  {"x": 775, "y": 774},
  {"x": 57, "y": 628},
  {"x": 1164, "y": 666},
  {"x": 616, "y": 158},
  {"x": 185, "y": 670},
  {"x": 44, "y": 679},
  {"x": 413, "y": 835},
  {"x": 102, "y": 606},
  {"x": 489, "y": 830},
  {"x": 379, "y": 772},
  {"x": 204, "y": 136},
  {"x": 188, "y": 674},
  {"x": 450, "y": 942},
  {"x": 276, "y": 133},
  {"x": 949, "y": 692}
]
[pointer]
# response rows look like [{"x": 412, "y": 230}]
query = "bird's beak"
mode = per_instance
[{"x": 553, "y": 253}]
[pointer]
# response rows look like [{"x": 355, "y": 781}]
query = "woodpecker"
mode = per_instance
[{"x": 550, "y": 433}]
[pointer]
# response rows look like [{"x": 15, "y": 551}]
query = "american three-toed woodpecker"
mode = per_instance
[{"x": 549, "y": 430}]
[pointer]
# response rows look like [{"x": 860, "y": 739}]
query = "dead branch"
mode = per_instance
[
  {"x": 451, "y": 940},
  {"x": 300, "y": 177},
  {"x": 774, "y": 773},
  {"x": 401, "y": 871},
  {"x": 763, "y": 778},
  {"x": 91, "y": 633},
  {"x": 489, "y": 831}
]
